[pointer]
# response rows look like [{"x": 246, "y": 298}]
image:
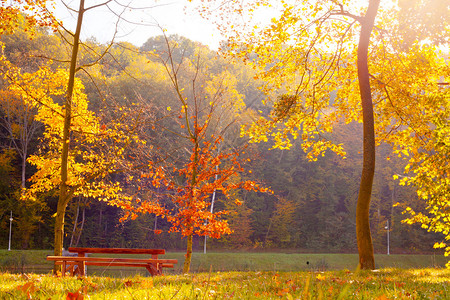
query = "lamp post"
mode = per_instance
[
  {"x": 387, "y": 230},
  {"x": 10, "y": 227}
]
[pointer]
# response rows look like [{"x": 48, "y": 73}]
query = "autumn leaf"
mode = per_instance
[
  {"x": 283, "y": 292},
  {"x": 74, "y": 296},
  {"x": 128, "y": 283},
  {"x": 320, "y": 277},
  {"x": 28, "y": 288}
]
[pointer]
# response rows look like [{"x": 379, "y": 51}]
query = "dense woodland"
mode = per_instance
[{"x": 312, "y": 207}]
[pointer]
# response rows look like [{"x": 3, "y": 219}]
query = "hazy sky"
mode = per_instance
[
  {"x": 145, "y": 18},
  {"x": 175, "y": 16}
]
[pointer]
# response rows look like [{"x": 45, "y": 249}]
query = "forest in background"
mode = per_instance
[{"x": 313, "y": 205}]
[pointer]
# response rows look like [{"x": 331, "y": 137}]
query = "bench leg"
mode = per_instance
[
  {"x": 71, "y": 269},
  {"x": 82, "y": 265},
  {"x": 80, "y": 268},
  {"x": 68, "y": 266},
  {"x": 153, "y": 270},
  {"x": 63, "y": 269}
]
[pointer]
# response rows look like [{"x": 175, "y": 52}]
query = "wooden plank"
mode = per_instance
[
  {"x": 91, "y": 263},
  {"x": 112, "y": 264},
  {"x": 118, "y": 264},
  {"x": 106, "y": 259},
  {"x": 118, "y": 250}
]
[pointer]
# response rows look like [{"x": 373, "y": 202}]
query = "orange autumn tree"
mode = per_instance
[
  {"x": 189, "y": 182},
  {"x": 30, "y": 13}
]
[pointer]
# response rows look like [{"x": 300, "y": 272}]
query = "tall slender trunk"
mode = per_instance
[
  {"x": 363, "y": 236},
  {"x": 187, "y": 261},
  {"x": 193, "y": 183},
  {"x": 24, "y": 145},
  {"x": 24, "y": 165},
  {"x": 64, "y": 193}
]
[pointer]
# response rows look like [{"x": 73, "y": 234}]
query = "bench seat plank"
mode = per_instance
[{"x": 117, "y": 264}]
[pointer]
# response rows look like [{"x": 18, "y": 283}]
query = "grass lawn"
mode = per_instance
[
  {"x": 234, "y": 276},
  {"x": 344, "y": 284},
  {"x": 22, "y": 261}
]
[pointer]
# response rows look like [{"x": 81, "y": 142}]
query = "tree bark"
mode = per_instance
[
  {"x": 64, "y": 192},
  {"x": 187, "y": 261},
  {"x": 363, "y": 236}
]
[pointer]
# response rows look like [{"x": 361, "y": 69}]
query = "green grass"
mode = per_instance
[
  {"x": 234, "y": 276},
  {"x": 344, "y": 284},
  {"x": 17, "y": 261}
]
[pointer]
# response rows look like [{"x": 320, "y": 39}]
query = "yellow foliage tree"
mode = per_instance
[
  {"x": 97, "y": 149},
  {"x": 311, "y": 48}
]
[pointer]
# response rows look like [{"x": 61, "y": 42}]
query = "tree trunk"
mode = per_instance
[
  {"x": 24, "y": 165},
  {"x": 64, "y": 194},
  {"x": 363, "y": 236},
  {"x": 187, "y": 261}
]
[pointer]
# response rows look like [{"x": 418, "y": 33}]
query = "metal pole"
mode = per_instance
[
  {"x": 387, "y": 227},
  {"x": 10, "y": 228},
  {"x": 212, "y": 210}
]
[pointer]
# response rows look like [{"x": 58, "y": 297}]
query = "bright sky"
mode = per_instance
[
  {"x": 175, "y": 16},
  {"x": 145, "y": 18}
]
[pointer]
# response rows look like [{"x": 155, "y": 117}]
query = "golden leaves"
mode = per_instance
[
  {"x": 95, "y": 150},
  {"x": 26, "y": 13}
]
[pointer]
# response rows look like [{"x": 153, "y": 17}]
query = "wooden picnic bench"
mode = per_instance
[{"x": 75, "y": 265}]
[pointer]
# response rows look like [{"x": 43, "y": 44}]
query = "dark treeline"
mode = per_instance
[{"x": 313, "y": 205}]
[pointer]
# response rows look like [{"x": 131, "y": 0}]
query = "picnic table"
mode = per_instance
[{"x": 75, "y": 265}]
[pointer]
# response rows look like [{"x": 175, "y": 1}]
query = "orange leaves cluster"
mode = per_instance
[
  {"x": 31, "y": 13},
  {"x": 208, "y": 171}
]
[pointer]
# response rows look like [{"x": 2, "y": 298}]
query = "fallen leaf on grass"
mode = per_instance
[
  {"x": 28, "y": 287},
  {"x": 74, "y": 296},
  {"x": 146, "y": 284},
  {"x": 283, "y": 291},
  {"x": 129, "y": 283},
  {"x": 320, "y": 277}
]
